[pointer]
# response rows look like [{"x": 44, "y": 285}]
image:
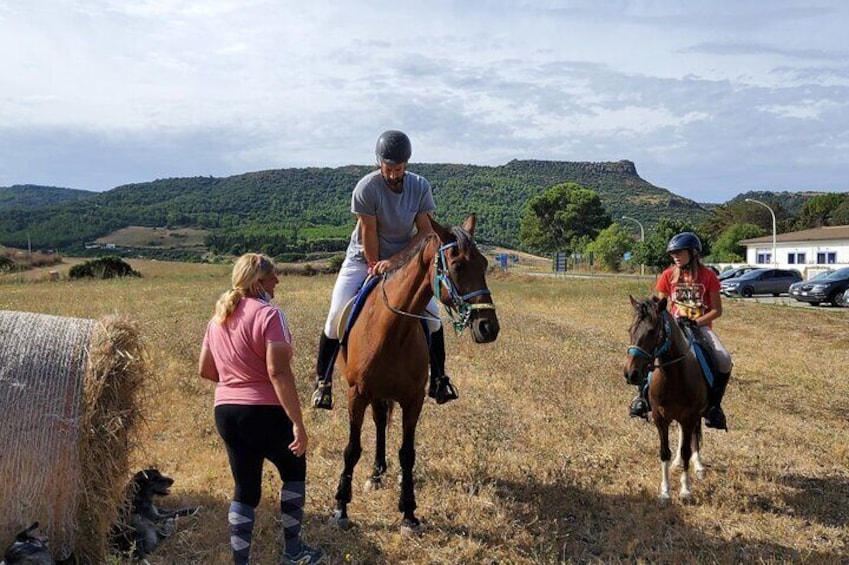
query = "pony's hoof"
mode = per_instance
[
  {"x": 341, "y": 522},
  {"x": 700, "y": 474},
  {"x": 664, "y": 499},
  {"x": 411, "y": 527},
  {"x": 374, "y": 483}
]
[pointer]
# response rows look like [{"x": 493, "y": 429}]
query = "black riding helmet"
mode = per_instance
[
  {"x": 685, "y": 240},
  {"x": 393, "y": 147}
]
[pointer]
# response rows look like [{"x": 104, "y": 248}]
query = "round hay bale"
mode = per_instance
[{"x": 68, "y": 398}]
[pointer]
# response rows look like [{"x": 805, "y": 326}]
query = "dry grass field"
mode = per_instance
[{"x": 537, "y": 462}]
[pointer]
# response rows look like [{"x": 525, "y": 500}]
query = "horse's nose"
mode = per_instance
[
  {"x": 485, "y": 329},
  {"x": 632, "y": 376}
]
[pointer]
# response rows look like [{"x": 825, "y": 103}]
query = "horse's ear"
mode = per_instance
[
  {"x": 469, "y": 223},
  {"x": 634, "y": 302},
  {"x": 443, "y": 233}
]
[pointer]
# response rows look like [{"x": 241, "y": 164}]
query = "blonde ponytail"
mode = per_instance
[{"x": 249, "y": 269}]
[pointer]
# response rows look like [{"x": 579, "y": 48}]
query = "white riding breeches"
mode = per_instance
[{"x": 351, "y": 277}]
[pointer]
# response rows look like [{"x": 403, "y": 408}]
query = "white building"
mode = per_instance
[{"x": 807, "y": 250}]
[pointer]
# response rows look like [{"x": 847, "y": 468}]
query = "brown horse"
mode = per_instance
[
  {"x": 386, "y": 358},
  {"x": 677, "y": 389}
]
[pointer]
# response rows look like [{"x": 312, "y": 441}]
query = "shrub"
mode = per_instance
[{"x": 103, "y": 268}]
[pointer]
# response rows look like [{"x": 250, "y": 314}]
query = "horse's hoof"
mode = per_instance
[
  {"x": 664, "y": 499},
  {"x": 373, "y": 483},
  {"x": 341, "y": 522},
  {"x": 411, "y": 527},
  {"x": 700, "y": 474}
]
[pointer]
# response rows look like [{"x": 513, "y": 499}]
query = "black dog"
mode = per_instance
[
  {"x": 28, "y": 549},
  {"x": 147, "y": 525}
]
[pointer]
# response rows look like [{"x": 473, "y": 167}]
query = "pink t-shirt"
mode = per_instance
[{"x": 238, "y": 348}]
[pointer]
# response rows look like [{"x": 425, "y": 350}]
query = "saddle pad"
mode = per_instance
[
  {"x": 341, "y": 321},
  {"x": 353, "y": 308}
]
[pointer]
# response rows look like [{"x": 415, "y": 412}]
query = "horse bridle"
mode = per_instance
[
  {"x": 660, "y": 350},
  {"x": 460, "y": 309}
]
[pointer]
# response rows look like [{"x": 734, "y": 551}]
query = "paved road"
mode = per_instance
[
  {"x": 783, "y": 300},
  {"x": 786, "y": 300}
]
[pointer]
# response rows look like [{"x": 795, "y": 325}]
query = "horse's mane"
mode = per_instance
[
  {"x": 464, "y": 243},
  {"x": 644, "y": 310}
]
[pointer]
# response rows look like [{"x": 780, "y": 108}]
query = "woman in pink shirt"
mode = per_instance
[{"x": 247, "y": 351}]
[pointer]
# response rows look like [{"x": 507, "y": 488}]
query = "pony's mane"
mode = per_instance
[
  {"x": 464, "y": 243},
  {"x": 644, "y": 310}
]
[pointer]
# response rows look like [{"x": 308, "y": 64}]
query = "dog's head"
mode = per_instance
[
  {"x": 149, "y": 483},
  {"x": 28, "y": 549}
]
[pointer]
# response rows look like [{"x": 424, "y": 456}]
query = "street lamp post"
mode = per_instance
[
  {"x": 642, "y": 239},
  {"x": 774, "y": 253}
]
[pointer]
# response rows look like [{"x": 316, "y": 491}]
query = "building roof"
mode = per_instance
[{"x": 825, "y": 233}]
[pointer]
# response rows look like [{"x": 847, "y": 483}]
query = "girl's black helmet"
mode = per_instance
[
  {"x": 393, "y": 147},
  {"x": 685, "y": 240}
]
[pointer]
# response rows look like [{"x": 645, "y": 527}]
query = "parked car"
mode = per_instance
[
  {"x": 760, "y": 281},
  {"x": 830, "y": 288},
  {"x": 796, "y": 288},
  {"x": 735, "y": 272},
  {"x": 846, "y": 298}
]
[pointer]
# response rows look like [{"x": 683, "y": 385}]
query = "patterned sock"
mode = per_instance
[
  {"x": 292, "y": 514},
  {"x": 241, "y": 519}
]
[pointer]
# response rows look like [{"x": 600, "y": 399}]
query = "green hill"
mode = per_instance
[
  {"x": 308, "y": 209},
  {"x": 32, "y": 196}
]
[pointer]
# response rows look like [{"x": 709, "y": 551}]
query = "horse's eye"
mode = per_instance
[{"x": 457, "y": 267}]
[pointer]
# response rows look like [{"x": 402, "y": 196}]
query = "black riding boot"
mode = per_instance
[
  {"x": 640, "y": 405},
  {"x": 715, "y": 417},
  {"x": 322, "y": 397},
  {"x": 440, "y": 385}
]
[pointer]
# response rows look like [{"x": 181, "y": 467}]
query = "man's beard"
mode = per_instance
[{"x": 395, "y": 185}]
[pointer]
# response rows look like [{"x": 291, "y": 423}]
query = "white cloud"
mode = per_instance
[{"x": 688, "y": 91}]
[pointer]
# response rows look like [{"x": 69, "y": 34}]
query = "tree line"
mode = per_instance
[
  {"x": 570, "y": 218},
  {"x": 291, "y": 211}
]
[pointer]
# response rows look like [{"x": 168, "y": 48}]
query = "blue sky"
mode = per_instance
[{"x": 709, "y": 99}]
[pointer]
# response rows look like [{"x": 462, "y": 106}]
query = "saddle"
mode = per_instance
[
  {"x": 349, "y": 314},
  {"x": 704, "y": 352}
]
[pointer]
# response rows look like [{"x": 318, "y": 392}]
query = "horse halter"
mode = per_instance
[
  {"x": 459, "y": 309},
  {"x": 665, "y": 343}
]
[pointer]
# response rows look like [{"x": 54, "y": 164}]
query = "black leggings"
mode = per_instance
[{"x": 251, "y": 435}]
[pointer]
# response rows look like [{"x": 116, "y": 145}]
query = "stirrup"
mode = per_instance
[
  {"x": 442, "y": 390},
  {"x": 639, "y": 408},
  {"x": 715, "y": 418},
  {"x": 322, "y": 397}
]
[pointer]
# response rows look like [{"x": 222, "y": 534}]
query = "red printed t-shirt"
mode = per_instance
[
  {"x": 238, "y": 348},
  {"x": 704, "y": 277}
]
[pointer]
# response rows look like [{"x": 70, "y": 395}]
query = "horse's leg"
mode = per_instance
[
  {"x": 407, "y": 457},
  {"x": 677, "y": 461},
  {"x": 665, "y": 455},
  {"x": 356, "y": 411},
  {"x": 379, "y": 412},
  {"x": 688, "y": 428},
  {"x": 695, "y": 443}
]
